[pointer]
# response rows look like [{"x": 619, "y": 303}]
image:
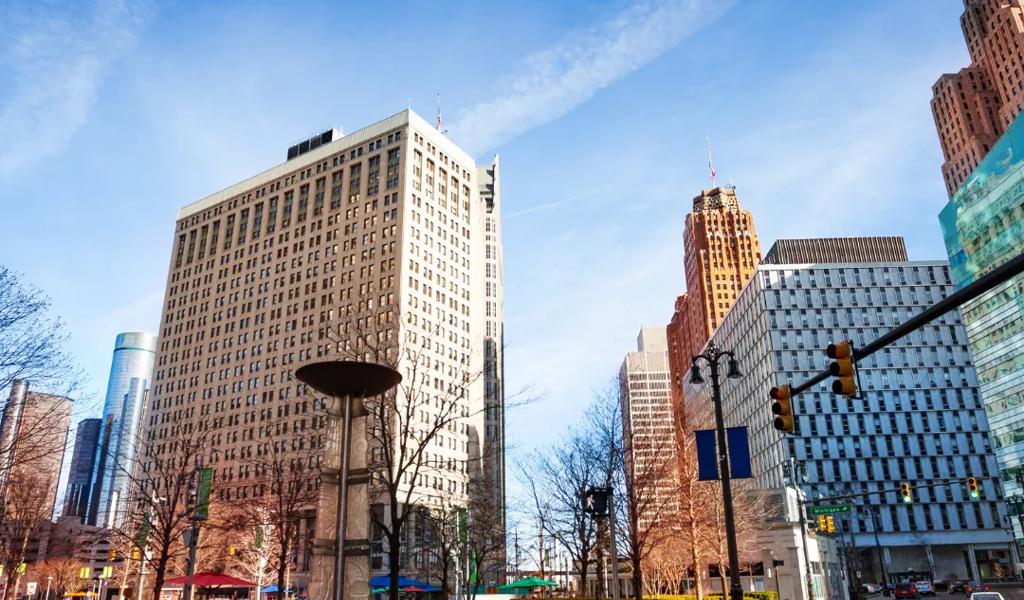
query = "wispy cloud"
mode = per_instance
[
  {"x": 554, "y": 81},
  {"x": 52, "y": 59},
  {"x": 546, "y": 206}
]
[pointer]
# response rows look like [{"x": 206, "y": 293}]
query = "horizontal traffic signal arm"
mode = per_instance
[
  {"x": 985, "y": 283},
  {"x": 895, "y": 490}
]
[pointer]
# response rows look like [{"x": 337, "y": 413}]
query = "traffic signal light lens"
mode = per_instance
[{"x": 839, "y": 350}]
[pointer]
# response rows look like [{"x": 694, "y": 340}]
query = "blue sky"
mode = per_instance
[{"x": 113, "y": 114}]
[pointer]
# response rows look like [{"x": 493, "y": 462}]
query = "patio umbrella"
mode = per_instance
[
  {"x": 527, "y": 583},
  {"x": 212, "y": 580}
]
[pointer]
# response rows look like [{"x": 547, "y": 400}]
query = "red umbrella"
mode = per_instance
[{"x": 212, "y": 579}]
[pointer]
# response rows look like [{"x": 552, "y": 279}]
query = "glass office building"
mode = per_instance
[
  {"x": 983, "y": 226},
  {"x": 127, "y": 390}
]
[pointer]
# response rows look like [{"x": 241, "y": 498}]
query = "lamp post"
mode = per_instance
[
  {"x": 349, "y": 383},
  {"x": 713, "y": 357},
  {"x": 49, "y": 578}
]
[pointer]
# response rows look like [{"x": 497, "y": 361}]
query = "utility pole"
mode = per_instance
[
  {"x": 614, "y": 550},
  {"x": 796, "y": 479}
]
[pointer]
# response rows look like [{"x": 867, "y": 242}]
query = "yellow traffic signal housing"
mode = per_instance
[
  {"x": 135, "y": 554},
  {"x": 782, "y": 407},
  {"x": 231, "y": 550},
  {"x": 822, "y": 524},
  {"x": 842, "y": 368},
  {"x": 905, "y": 494},
  {"x": 113, "y": 555},
  {"x": 830, "y": 523},
  {"x": 972, "y": 487}
]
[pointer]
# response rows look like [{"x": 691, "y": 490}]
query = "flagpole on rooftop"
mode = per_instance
[{"x": 711, "y": 165}]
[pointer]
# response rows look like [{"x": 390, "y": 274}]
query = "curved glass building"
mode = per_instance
[{"x": 127, "y": 390}]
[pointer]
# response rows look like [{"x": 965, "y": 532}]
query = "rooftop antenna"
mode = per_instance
[{"x": 711, "y": 165}]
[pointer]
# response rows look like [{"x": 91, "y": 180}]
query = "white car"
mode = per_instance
[{"x": 986, "y": 596}]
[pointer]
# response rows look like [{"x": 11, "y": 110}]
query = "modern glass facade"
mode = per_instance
[
  {"x": 920, "y": 418},
  {"x": 127, "y": 389},
  {"x": 983, "y": 226},
  {"x": 76, "y": 498}
]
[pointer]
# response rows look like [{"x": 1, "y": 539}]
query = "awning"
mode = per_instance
[{"x": 211, "y": 579}]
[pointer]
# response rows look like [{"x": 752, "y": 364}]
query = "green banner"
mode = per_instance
[
  {"x": 203, "y": 498},
  {"x": 463, "y": 525}
]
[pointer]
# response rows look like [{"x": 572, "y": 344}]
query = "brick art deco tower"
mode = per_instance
[
  {"x": 973, "y": 108},
  {"x": 721, "y": 253}
]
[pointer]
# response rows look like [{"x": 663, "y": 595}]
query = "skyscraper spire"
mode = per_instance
[{"x": 711, "y": 165}]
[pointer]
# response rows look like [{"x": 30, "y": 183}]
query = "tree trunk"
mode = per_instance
[
  {"x": 394, "y": 555},
  {"x": 698, "y": 581},
  {"x": 159, "y": 573},
  {"x": 282, "y": 569},
  {"x": 638, "y": 581}
]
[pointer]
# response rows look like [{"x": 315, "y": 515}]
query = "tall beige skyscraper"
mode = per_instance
[
  {"x": 647, "y": 426},
  {"x": 391, "y": 231}
]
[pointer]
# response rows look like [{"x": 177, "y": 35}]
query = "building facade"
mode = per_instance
[
  {"x": 375, "y": 237},
  {"x": 721, "y": 251},
  {"x": 648, "y": 430},
  {"x": 489, "y": 184},
  {"x": 972, "y": 108},
  {"x": 76, "y": 495},
  {"x": 123, "y": 407},
  {"x": 982, "y": 227},
  {"x": 33, "y": 433},
  {"x": 919, "y": 419}
]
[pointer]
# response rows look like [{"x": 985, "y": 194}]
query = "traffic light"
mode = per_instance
[
  {"x": 782, "y": 407},
  {"x": 972, "y": 487},
  {"x": 830, "y": 523},
  {"x": 136, "y": 554},
  {"x": 231, "y": 550},
  {"x": 113, "y": 555},
  {"x": 842, "y": 368},
  {"x": 822, "y": 524},
  {"x": 905, "y": 493}
]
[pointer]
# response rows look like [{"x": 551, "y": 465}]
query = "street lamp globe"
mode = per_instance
[
  {"x": 695, "y": 377},
  {"x": 734, "y": 369}
]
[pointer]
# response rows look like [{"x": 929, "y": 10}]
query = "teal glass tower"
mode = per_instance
[{"x": 983, "y": 227}]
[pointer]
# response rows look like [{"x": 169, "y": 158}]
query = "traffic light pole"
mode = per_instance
[
  {"x": 985, "y": 283},
  {"x": 793, "y": 475}
]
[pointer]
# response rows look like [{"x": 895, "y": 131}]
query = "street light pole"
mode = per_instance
[{"x": 712, "y": 356}]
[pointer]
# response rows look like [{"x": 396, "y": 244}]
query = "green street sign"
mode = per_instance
[{"x": 829, "y": 510}]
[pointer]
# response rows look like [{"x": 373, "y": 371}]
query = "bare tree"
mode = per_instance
[
  {"x": 695, "y": 499},
  {"x": 641, "y": 476},
  {"x": 32, "y": 354},
  {"x": 486, "y": 532},
  {"x": 556, "y": 479},
  {"x": 405, "y": 426},
  {"x": 24, "y": 518},
  {"x": 287, "y": 469},
  {"x": 441, "y": 542},
  {"x": 63, "y": 574},
  {"x": 161, "y": 499}
]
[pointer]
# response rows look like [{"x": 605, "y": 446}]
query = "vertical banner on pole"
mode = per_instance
[
  {"x": 739, "y": 453},
  {"x": 707, "y": 459}
]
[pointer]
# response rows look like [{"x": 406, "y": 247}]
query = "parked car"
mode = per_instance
[
  {"x": 957, "y": 587},
  {"x": 975, "y": 586},
  {"x": 872, "y": 588},
  {"x": 906, "y": 589},
  {"x": 925, "y": 588}
]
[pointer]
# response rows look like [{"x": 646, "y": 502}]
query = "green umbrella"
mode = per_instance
[{"x": 528, "y": 583}]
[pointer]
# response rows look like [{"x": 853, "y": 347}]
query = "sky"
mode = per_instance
[{"x": 115, "y": 113}]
